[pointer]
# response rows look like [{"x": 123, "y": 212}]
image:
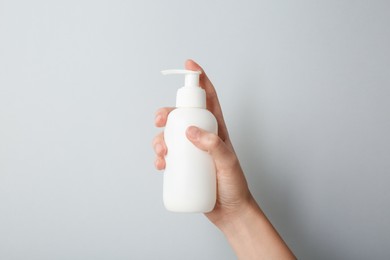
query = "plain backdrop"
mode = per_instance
[{"x": 305, "y": 89}]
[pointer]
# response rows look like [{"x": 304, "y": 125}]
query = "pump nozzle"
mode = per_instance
[
  {"x": 191, "y": 95},
  {"x": 191, "y": 78}
]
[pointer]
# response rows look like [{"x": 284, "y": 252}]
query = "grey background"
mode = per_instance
[{"x": 305, "y": 88}]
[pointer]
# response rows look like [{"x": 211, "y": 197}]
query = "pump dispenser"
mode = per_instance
[
  {"x": 191, "y": 95},
  {"x": 190, "y": 176}
]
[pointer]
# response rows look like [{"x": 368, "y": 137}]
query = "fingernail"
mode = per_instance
[
  {"x": 158, "y": 164},
  {"x": 158, "y": 148},
  {"x": 157, "y": 118},
  {"x": 193, "y": 133}
]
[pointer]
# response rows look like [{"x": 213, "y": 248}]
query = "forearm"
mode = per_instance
[{"x": 252, "y": 236}]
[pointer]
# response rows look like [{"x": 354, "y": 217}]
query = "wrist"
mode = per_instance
[
  {"x": 240, "y": 219},
  {"x": 252, "y": 235}
]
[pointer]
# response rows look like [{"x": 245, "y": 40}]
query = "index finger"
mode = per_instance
[{"x": 212, "y": 98}]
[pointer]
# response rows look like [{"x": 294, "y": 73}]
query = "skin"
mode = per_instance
[{"x": 236, "y": 212}]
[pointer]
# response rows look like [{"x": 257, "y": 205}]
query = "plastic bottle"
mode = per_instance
[{"x": 190, "y": 176}]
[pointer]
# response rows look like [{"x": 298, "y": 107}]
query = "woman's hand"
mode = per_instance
[
  {"x": 232, "y": 190},
  {"x": 236, "y": 212}
]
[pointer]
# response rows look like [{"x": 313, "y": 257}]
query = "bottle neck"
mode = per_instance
[{"x": 191, "y": 97}]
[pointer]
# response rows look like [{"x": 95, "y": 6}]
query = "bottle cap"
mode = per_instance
[{"x": 191, "y": 94}]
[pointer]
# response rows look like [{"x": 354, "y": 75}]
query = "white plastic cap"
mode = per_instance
[{"x": 191, "y": 95}]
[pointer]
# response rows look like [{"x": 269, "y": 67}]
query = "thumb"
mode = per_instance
[{"x": 213, "y": 144}]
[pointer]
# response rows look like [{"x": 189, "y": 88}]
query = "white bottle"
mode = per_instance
[{"x": 190, "y": 175}]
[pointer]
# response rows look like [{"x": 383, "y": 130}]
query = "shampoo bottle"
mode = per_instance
[{"x": 190, "y": 175}]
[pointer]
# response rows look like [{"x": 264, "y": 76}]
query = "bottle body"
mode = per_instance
[{"x": 190, "y": 176}]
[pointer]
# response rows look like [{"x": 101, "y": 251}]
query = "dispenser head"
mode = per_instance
[
  {"x": 191, "y": 95},
  {"x": 191, "y": 78}
]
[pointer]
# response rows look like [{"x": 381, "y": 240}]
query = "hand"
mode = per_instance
[
  {"x": 236, "y": 212},
  {"x": 232, "y": 189}
]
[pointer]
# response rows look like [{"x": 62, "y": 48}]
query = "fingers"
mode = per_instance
[
  {"x": 161, "y": 150},
  {"x": 161, "y": 116},
  {"x": 159, "y": 145},
  {"x": 224, "y": 158},
  {"x": 212, "y": 98},
  {"x": 158, "y": 142},
  {"x": 159, "y": 163}
]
